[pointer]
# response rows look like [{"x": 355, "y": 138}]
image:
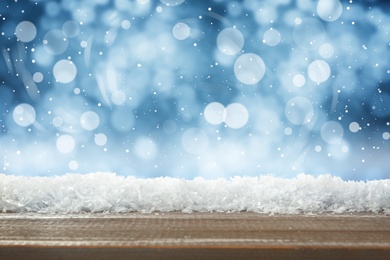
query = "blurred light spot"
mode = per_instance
[
  {"x": 181, "y": 31},
  {"x": 38, "y": 77},
  {"x": 172, "y": 2},
  {"x": 24, "y": 115},
  {"x": 299, "y": 110},
  {"x": 73, "y": 165},
  {"x": 55, "y": 42},
  {"x": 214, "y": 113},
  {"x": 326, "y": 50},
  {"x": 195, "y": 140},
  {"x": 64, "y": 71},
  {"x": 332, "y": 132},
  {"x": 118, "y": 97},
  {"x": 298, "y": 20},
  {"x": 299, "y": 80},
  {"x": 126, "y": 24},
  {"x": 354, "y": 127},
  {"x": 329, "y": 10},
  {"x": 249, "y": 69},
  {"x": 83, "y": 44},
  {"x": 386, "y": 135},
  {"x": 309, "y": 34},
  {"x": 52, "y": 9},
  {"x": 145, "y": 148},
  {"x": 271, "y": 37},
  {"x": 319, "y": 71},
  {"x": 65, "y": 143},
  {"x": 236, "y": 115},
  {"x": 89, "y": 120},
  {"x": 169, "y": 126},
  {"x": 230, "y": 41},
  {"x": 288, "y": 131},
  {"x": 345, "y": 149},
  {"x": 57, "y": 121},
  {"x": 25, "y": 31},
  {"x": 77, "y": 91},
  {"x": 100, "y": 139},
  {"x": 318, "y": 148},
  {"x": 143, "y": 1},
  {"x": 70, "y": 29}
]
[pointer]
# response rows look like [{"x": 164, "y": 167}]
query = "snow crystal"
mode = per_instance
[{"x": 107, "y": 192}]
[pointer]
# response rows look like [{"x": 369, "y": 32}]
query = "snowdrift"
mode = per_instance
[{"x": 108, "y": 192}]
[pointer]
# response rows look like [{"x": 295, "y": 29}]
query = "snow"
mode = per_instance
[{"x": 108, "y": 192}]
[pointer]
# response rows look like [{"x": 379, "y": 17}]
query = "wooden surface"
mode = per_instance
[{"x": 194, "y": 236}]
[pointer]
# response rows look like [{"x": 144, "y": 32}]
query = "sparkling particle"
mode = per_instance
[{"x": 386, "y": 135}]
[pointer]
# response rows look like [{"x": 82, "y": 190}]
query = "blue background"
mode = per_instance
[{"x": 155, "y": 125}]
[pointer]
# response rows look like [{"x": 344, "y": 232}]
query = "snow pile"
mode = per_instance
[{"x": 107, "y": 192}]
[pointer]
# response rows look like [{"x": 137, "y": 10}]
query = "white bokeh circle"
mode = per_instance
[{"x": 249, "y": 68}]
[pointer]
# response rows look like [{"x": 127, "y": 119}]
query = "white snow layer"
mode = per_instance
[{"x": 107, "y": 192}]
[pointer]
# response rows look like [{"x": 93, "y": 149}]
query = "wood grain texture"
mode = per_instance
[{"x": 194, "y": 236}]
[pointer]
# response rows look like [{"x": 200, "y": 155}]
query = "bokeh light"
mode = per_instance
[
  {"x": 230, "y": 41},
  {"x": 249, "y": 68},
  {"x": 195, "y": 88},
  {"x": 26, "y": 31}
]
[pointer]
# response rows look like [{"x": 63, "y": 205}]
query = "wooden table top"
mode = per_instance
[{"x": 194, "y": 236}]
